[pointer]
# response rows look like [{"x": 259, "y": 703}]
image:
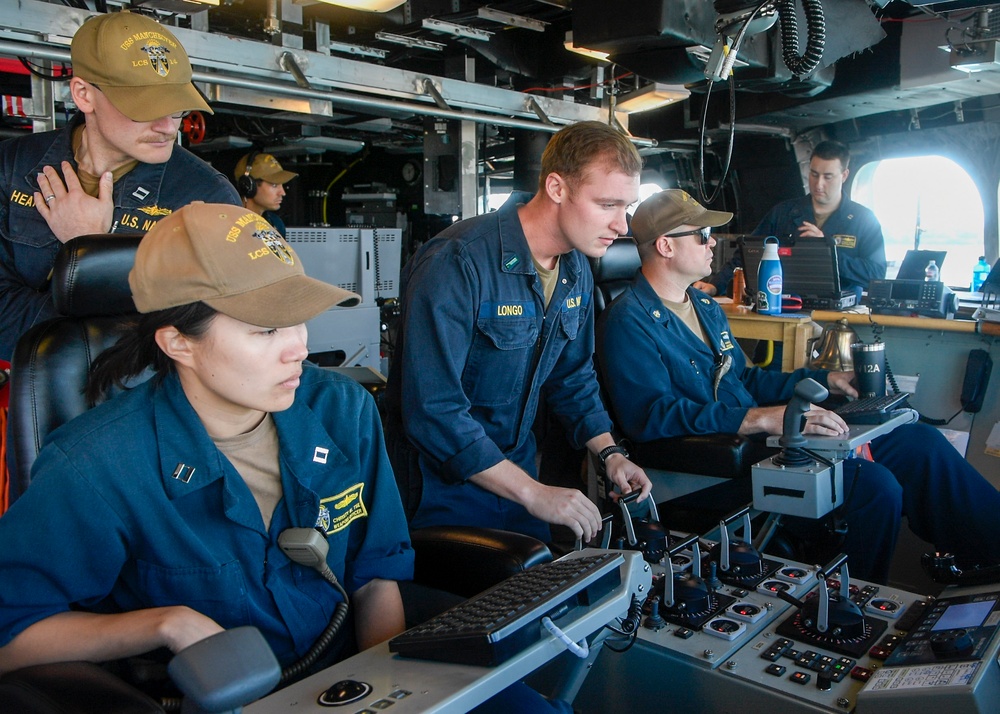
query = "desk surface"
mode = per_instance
[
  {"x": 914, "y": 323},
  {"x": 794, "y": 330}
]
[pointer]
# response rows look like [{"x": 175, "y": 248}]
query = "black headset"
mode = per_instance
[{"x": 247, "y": 184}]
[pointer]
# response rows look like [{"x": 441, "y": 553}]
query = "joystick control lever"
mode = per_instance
[
  {"x": 792, "y": 443},
  {"x": 645, "y": 534},
  {"x": 668, "y": 580},
  {"x": 746, "y": 556},
  {"x": 838, "y": 564}
]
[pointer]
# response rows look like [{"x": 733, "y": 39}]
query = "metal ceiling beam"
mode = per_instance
[{"x": 43, "y": 30}]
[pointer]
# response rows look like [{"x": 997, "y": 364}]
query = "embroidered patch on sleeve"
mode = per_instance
[{"x": 342, "y": 509}]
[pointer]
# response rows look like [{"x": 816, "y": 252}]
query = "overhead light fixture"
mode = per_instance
[
  {"x": 408, "y": 41},
  {"x": 651, "y": 96},
  {"x": 183, "y": 7},
  {"x": 360, "y": 50},
  {"x": 450, "y": 28},
  {"x": 316, "y": 145},
  {"x": 506, "y": 18},
  {"x": 593, "y": 54},
  {"x": 365, "y": 5}
]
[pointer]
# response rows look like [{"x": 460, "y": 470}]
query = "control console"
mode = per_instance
[
  {"x": 793, "y": 638},
  {"x": 946, "y": 662}
]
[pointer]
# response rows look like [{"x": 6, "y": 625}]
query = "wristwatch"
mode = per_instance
[{"x": 613, "y": 449}]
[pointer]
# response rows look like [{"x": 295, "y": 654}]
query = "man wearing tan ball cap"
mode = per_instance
[
  {"x": 261, "y": 180},
  {"x": 115, "y": 167}
]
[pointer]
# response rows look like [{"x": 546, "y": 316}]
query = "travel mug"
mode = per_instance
[{"x": 869, "y": 368}]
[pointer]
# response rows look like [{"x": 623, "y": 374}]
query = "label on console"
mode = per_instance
[{"x": 933, "y": 675}]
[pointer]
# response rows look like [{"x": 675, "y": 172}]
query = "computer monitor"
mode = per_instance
[
  {"x": 915, "y": 262},
  {"x": 808, "y": 266}
]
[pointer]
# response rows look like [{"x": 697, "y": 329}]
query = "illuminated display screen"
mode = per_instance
[{"x": 966, "y": 614}]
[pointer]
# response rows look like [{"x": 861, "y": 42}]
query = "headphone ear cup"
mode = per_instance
[{"x": 246, "y": 185}]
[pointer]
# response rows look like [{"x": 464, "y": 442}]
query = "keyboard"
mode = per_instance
[
  {"x": 493, "y": 626},
  {"x": 873, "y": 410}
]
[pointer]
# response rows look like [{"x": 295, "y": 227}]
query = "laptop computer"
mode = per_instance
[
  {"x": 915, "y": 262},
  {"x": 809, "y": 270}
]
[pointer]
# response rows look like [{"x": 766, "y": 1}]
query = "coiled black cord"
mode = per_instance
[
  {"x": 319, "y": 646},
  {"x": 815, "y": 41}
]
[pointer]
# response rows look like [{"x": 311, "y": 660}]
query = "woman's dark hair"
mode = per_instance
[{"x": 137, "y": 350}]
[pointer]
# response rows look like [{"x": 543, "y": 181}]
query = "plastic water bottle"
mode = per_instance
[
  {"x": 980, "y": 273},
  {"x": 932, "y": 273},
  {"x": 769, "y": 281}
]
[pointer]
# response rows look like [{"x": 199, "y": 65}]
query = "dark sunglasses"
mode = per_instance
[{"x": 705, "y": 234}]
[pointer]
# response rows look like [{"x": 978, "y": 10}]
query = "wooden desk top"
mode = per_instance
[
  {"x": 913, "y": 323},
  {"x": 734, "y": 311}
]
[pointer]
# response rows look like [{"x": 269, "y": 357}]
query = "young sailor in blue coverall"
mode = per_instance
[
  {"x": 153, "y": 519},
  {"x": 496, "y": 311},
  {"x": 660, "y": 343}
]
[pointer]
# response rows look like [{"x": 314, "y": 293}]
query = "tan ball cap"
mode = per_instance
[
  {"x": 138, "y": 64},
  {"x": 264, "y": 167},
  {"x": 664, "y": 211},
  {"x": 234, "y": 261}
]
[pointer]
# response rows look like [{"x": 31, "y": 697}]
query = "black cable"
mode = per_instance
[
  {"x": 319, "y": 646},
  {"x": 729, "y": 149},
  {"x": 64, "y": 77},
  {"x": 732, "y": 115},
  {"x": 816, "y": 39},
  {"x": 877, "y": 331},
  {"x": 937, "y": 422},
  {"x": 626, "y": 648}
]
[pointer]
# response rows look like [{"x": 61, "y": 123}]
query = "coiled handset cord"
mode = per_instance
[
  {"x": 877, "y": 330},
  {"x": 307, "y": 546}
]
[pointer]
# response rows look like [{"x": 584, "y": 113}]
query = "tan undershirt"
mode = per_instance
[
  {"x": 255, "y": 456},
  {"x": 686, "y": 314},
  {"x": 90, "y": 183},
  {"x": 549, "y": 279}
]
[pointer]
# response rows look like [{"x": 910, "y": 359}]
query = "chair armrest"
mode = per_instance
[
  {"x": 71, "y": 688},
  {"x": 719, "y": 455},
  {"x": 465, "y": 560}
]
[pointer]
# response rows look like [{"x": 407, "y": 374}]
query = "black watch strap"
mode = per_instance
[{"x": 614, "y": 449}]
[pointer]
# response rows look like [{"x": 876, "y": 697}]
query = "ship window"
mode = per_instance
[{"x": 925, "y": 202}]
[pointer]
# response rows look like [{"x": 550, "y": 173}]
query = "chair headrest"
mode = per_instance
[
  {"x": 90, "y": 277},
  {"x": 620, "y": 262}
]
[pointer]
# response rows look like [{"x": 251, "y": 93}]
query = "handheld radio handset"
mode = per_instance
[{"x": 308, "y": 547}]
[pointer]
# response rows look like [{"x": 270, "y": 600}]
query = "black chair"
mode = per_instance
[
  {"x": 48, "y": 371},
  {"x": 699, "y": 478},
  {"x": 51, "y": 361}
]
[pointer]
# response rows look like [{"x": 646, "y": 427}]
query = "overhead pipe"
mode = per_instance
[{"x": 18, "y": 49}]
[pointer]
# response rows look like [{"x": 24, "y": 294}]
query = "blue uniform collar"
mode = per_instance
[
  {"x": 515, "y": 255},
  {"x": 844, "y": 209},
  {"x": 190, "y": 461},
  {"x": 139, "y": 187},
  {"x": 652, "y": 305}
]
